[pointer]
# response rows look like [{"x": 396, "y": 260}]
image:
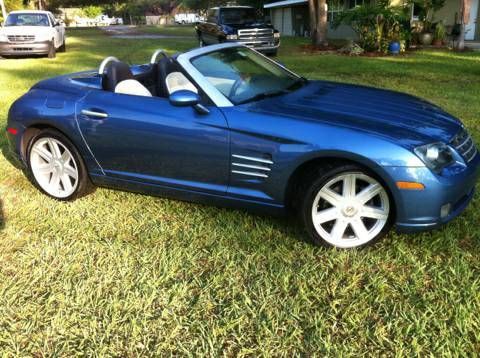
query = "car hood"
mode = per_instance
[
  {"x": 23, "y": 30},
  {"x": 395, "y": 115},
  {"x": 250, "y": 25}
]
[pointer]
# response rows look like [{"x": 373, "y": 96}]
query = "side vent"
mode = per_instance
[{"x": 251, "y": 166}]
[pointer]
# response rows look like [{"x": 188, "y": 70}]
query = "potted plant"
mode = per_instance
[
  {"x": 426, "y": 10},
  {"x": 440, "y": 34},
  {"x": 394, "y": 36}
]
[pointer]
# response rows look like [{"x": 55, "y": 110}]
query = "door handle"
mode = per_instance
[{"x": 94, "y": 114}]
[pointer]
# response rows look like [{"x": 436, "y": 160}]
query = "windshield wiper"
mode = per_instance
[
  {"x": 299, "y": 83},
  {"x": 263, "y": 95}
]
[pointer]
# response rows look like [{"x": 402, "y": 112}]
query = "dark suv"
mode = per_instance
[{"x": 238, "y": 24}]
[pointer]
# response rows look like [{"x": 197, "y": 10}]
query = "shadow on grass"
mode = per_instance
[{"x": 2, "y": 216}]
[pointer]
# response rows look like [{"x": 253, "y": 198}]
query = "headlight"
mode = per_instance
[
  {"x": 3, "y": 38},
  {"x": 436, "y": 156},
  {"x": 276, "y": 35},
  {"x": 232, "y": 37}
]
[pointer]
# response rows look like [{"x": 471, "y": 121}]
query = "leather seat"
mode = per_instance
[
  {"x": 164, "y": 67},
  {"x": 119, "y": 79}
]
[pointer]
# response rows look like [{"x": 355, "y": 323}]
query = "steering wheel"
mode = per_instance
[{"x": 236, "y": 85}]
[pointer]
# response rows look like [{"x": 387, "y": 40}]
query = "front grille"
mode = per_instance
[
  {"x": 464, "y": 145},
  {"x": 21, "y": 38},
  {"x": 255, "y": 34},
  {"x": 22, "y": 49}
]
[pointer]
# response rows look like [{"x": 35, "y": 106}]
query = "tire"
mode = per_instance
[
  {"x": 336, "y": 216},
  {"x": 201, "y": 43},
  {"x": 52, "y": 53},
  {"x": 56, "y": 167},
  {"x": 63, "y": 48}
]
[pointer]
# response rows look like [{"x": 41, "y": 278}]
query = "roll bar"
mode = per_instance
[
  {"x": 153, "y": 60},
  {"x": 103, "y": 65}
]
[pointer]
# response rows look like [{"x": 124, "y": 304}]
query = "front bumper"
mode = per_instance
[
  {"x": 261, "y": 46},
  {"x": 421, "y": 210},
  {"x": 9, "y": 48}
]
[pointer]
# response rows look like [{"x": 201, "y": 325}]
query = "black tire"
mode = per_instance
[
  {"x": 84, "y": 185},
  {"x": 201, "y": 42},
  {"x": 63, "y": 48},
  {"x": 52, "y": 53},
  {"x": 316, "y": 181}
]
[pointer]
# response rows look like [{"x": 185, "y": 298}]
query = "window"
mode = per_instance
[
  {"x": 334, "y": 8},
  {"x": 237, "y": 16},
  {"x": 243, "y": 76},
  {"x": 416, "y": 10},
  {"x": 354, "y": 3},
  {"x": 27, "y": 19},
  {"x": 212, "y": 15}
]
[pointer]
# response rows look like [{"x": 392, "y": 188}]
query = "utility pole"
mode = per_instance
[{"x": 4, "y": 11}]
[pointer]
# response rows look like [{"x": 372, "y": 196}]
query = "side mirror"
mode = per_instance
[{"x": 184, "y": 98}]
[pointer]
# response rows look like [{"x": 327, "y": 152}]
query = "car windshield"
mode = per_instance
[
  {"x": 237, "y": 16},
  {"x": 27, "y": 20},
  {"x": 243, "y": 75}
]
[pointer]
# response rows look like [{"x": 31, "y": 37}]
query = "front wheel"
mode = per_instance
[
  {"x": 56, "y": 167},
  {"x": 63, "y": 48},
  {"x": 51, "y": 50},
  {"x": 346, "y": 207}
]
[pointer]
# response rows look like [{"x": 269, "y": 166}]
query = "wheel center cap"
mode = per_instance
[
  {"x": 349, "y": 211},
  {"x": 58, "y": 164}
]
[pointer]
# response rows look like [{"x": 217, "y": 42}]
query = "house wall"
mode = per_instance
[
  {"x": 295, "y": 21},
  {"x": 447, "y": 12}
]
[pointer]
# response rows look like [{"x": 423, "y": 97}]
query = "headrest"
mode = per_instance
[{"x": 116, "y": 73}]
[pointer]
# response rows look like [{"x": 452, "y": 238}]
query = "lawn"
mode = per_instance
[{"x": 122, "y": 274}]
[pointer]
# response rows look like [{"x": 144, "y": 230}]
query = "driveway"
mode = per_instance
[{"x": 133, "y": 32}]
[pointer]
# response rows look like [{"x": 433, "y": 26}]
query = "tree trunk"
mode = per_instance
[
  {"x": 321, "y": 33},
  {"x": 464, "y": 20},
  {"x": 4, "y": 11},
  {"x": 318, "y": 22},
  {"x": 312, "y": 12}
]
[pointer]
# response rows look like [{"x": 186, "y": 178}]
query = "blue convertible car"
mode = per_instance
[{"x": 228, "y": 126}]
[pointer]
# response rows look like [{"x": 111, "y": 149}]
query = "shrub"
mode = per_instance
[{"x": 377, "y": 25}]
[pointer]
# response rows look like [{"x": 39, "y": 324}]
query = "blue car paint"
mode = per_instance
[{"x": 147, "y": 145}]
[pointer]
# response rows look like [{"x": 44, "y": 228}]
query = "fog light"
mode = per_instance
[{"x": 445, "y": 210}]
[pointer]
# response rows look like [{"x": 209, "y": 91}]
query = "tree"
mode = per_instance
[
  {"x": 465, "y": 6},
  {"x": 318, "y": 22}
]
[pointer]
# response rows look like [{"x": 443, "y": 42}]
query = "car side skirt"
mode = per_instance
[{"x": 189, "y": 195}]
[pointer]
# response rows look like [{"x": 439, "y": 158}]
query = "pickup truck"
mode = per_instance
[
  {"x": 30, "y": 32},
  {"x": 238, "y": 24}
]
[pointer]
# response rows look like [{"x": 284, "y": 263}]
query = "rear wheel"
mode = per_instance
[
  {"x": 346, "y": 207},
  {"x": 56, "y": 167},
  {"x": 51, "y": 50}
]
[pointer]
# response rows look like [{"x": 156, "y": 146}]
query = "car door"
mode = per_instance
[
  {"x": 55, "y": 28},
  {"x": 146, "y": 139}
]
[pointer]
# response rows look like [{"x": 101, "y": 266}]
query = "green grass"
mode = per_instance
[{"x": 123, "y": 274}]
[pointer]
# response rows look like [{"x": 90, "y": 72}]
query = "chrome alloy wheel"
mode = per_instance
[
  {"x": 54, "y": 167},
  {"x": 350, "y": 210}
]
